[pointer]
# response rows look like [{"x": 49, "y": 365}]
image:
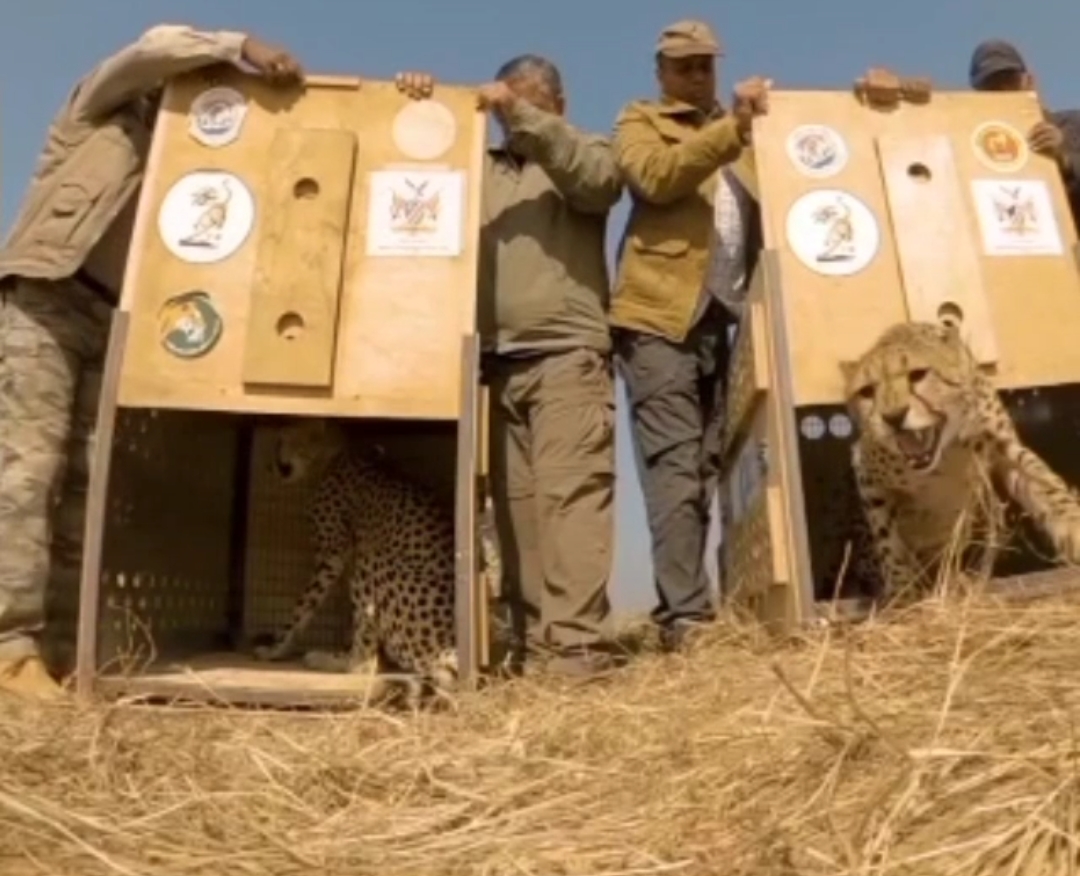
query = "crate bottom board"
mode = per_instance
[{"x": 228, "y": 678}]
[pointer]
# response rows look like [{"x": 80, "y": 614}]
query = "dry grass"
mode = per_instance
[{"x": 942, "y": 742}]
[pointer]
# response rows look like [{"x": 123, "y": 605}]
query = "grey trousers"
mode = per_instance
[
  {"x": 676, "y": 393},
  {"x": 53, "y": 337}
]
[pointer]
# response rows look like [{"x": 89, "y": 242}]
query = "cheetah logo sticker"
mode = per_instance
[{"x": 189, "y": 326}]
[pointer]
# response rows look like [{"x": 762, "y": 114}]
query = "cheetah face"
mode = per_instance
[
  {"x": 305, "y": 445},
  {"x": 910, "y": 393}
]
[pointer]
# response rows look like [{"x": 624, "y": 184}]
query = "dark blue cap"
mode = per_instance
[{"x": 993, "y": 57}]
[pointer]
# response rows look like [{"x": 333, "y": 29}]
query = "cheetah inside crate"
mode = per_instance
[{"x": 240, "y": 554}]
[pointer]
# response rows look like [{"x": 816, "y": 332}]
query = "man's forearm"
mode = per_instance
[
  {"x": 662, "y": 173},
  {"x": 160, "y": 53},
  {"x": 582, "y": 168}
]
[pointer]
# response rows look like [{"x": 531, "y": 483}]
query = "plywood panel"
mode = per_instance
[
  {"x": 939, "y": 264},
  {"x": 1033, "y": 302},
  {"x": 295, "y": 296},
  {"x": 401, "y": 318}
]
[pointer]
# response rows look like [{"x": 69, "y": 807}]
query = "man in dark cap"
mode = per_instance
[{"x": 998, "y": 66}]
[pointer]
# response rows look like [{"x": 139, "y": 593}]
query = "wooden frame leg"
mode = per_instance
[
  {"x": 86, "y": 656},
  {"x": 470, "y": 590}
]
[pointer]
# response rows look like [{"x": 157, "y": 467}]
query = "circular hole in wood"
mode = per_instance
[
  {"x": 950, "y": 314},
  {"x": 919, "y": 172},
  {"x": 306, "y": 189},
  {"x": 290, "y": 325}
]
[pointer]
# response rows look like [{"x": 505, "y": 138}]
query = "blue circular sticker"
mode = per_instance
[{"x": 189, "y": 325}]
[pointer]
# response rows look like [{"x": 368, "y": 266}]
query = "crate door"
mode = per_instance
[
  {"x": 471, "y": 591},
  {"x": 763, "y": 560}
]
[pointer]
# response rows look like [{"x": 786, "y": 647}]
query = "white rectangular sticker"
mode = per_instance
[
  {"x": 415, "y": 213},
  {"x": 1016, "y": 217}
]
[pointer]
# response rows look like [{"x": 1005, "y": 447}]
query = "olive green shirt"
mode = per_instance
[{"x": 543, "y": 275}]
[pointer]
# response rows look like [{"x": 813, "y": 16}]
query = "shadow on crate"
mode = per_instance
[{"x": 204, "y": 548}]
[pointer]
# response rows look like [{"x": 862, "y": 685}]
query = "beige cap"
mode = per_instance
[{"x": 684, "y": 39}]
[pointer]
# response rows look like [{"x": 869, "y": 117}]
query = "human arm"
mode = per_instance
[
  {"x": 167, "y": 50},
  {"x": 1068, "y": 157},
  {"x": 582, "y": 167},
  {"x": 661, "y": 172},
  {"x": 1058, "y": 137}
]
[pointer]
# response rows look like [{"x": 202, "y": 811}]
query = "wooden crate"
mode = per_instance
[
  {"x": 919, "y": 182},
  {"x": 302, "y": 254}
]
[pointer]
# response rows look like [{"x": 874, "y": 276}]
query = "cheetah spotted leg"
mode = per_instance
[
  {"x": 362, "y": 656},
  {"x": 1046, "y": 497},
  {"x": 328, "y": 570},
  {"x": 438, "y": 674},
  {"x": 899, "y": 568}
]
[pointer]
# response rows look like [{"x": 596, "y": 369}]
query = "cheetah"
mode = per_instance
[
  {"x": 394, "y": 541},
  {"x": 937, "y": 459}
]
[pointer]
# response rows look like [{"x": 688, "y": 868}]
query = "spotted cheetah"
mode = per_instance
[
  {"x": 938, "y": 459},
  {"x": 396, "y": 543}
]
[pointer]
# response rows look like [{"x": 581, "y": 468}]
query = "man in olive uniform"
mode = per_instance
[
  {"x": 672, "y": 333},
  {"x": 61, "y": 269},
  {"x": 543, "y": 297}
]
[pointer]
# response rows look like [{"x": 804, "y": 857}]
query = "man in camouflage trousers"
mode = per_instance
[{"x": 61, "y": 270}]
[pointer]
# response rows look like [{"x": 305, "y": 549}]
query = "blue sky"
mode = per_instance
[{"x": 603, "y": 48}]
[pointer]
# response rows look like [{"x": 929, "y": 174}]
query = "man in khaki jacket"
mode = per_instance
[
  {"x": 672, "y": 336},
  {"x": 542, "y": 301},
  {"x": 61, "y": 270}
]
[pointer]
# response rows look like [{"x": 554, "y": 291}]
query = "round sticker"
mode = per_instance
[
  {"x": 832, "y": 232},
  {"x": 206, "y": 216},
  {"x": 817, "y": 150},
  {"x": 424, "y": 129},
  {"x": 812, "y": 427},
  {"x": 189, "y": 325},
  {"x": 999, "y": 146},
  {"x": 840, "y": 426},
  {"x": 216, "y": 116}
]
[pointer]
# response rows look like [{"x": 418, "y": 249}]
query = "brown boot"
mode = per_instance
[{"x": 28, "y": 677}]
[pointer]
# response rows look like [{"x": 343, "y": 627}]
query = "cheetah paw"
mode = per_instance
[{"x": 269, "y": 650}]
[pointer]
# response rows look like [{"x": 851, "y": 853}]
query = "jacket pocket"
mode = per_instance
[
  {"x": 661, "y": 272},
  {"x": 670, "y": 247},
  {"x": 67, "y": 211}
]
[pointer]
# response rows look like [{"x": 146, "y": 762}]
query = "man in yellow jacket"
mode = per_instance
[
  {"x": 61, "y": 269},
  {"x": 671, "y": 334}
]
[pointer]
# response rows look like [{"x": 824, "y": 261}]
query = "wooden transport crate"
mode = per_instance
[
  {"x": 929, "y": 190},
  {"x": 303, "y": 254}
]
